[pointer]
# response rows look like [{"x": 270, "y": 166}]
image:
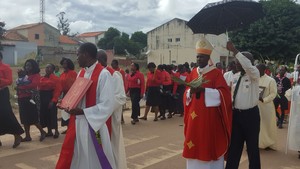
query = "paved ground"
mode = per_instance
[{"x": 149, "y": 145}]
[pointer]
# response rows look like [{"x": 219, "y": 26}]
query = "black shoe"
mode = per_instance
[
  {"x": 136, "y": 120},
  {"x": 143, "y": 118},
  {"x": 0, "y": 143},
  {"x": 163, "y": 118},
  {"x": 133, "y": 122},
  {"x": 280, "y": 126},
  {"x": 17, "y": 142},
  {"x": 49, "y": 134},
  {"x": 26, "y": 139},
  {"x": 56, "y": 135},
  {"x": 43, "y": 136}
]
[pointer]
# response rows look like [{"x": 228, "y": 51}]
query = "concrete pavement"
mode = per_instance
[{"x": 149, "y": 145}]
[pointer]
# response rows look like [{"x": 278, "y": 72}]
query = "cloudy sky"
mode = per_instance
[{"x": 98, "y": 15}]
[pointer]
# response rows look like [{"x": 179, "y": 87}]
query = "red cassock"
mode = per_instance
[{"x": 207, "y": 129}]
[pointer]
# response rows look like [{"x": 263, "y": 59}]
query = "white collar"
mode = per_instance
[
  {"x": 91, "y": 68},
  {"x": 200, "y": 70}
]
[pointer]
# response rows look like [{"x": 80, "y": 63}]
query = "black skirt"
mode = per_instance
[
  {"x": 48, "y": 115},
  {"x": 153, "y": 96},
  {"x": 8, "y": 122},
  {"x": 28, "y": 111}
]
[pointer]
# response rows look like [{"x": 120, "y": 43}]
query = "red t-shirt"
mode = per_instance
[
  {"x": 137, "y": 80},
  {"x": 5, "y": 75}
]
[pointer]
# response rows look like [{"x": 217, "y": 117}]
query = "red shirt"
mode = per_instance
[
  {"x": 136, "y": 80},
  {"x": 154, "y": 79},
  {"x": 51, "y": 83},
  {"x": 5, "y": 75},
  {"x": 167, "y": 78},
  {"x": 24, "y": 90},
  {"x": 67, "y": 79}
]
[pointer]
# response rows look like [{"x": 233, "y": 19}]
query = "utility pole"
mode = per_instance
[{"x": 42, "y": 11}]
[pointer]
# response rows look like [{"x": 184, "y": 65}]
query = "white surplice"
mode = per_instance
[
  {"x": 294, "y": 121},
  {"x": 96, "y": 116},
  {"x": 197, "y": 164},
  {"x": 117, "y": 141},
  {"x": 268, "y": 129}
]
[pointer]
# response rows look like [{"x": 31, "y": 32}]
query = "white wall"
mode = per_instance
[{"x": 164, "y": 49}]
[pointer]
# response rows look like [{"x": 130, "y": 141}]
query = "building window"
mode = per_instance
[
  {"x": 177, "y": 40},
  {"x": 36, "y": 36},
  {"x": 170, "y": 40}
]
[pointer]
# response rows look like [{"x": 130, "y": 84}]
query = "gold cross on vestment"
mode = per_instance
[
  {"x": 190, "y": 144},
  {"x": 193, "y": 115}
]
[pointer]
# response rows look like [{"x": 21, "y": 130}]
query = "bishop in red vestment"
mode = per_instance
[{"x": 207, "y": 115}]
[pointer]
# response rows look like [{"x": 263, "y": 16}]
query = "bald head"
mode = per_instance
[{"x": 102, "y": 57}]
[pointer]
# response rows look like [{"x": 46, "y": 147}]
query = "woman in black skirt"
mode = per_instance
[
  {"x": 8, "y": 122},
  {"x": 28, "y": 99},
  {"x": 153, "y": 90},
  {"x": 50, "y": 90}
]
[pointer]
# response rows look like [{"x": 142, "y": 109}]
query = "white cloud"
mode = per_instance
[
  {"x": 96, "y": 15},
  {"x": 81, "y": 26}
]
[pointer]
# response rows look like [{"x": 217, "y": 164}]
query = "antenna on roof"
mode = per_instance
[{"x": 42, "y": 11}]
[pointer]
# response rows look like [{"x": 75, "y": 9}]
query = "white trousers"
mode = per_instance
[{"x": 197, "y": 164}]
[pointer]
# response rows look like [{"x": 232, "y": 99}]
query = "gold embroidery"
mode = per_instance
[
  {"x": 190, "y": 144},
  {"x": 193, "y": 115},
  {"x": 202, "y": 44}
]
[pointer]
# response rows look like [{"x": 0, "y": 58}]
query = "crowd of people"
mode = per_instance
[{"x": 234, "y": 106}]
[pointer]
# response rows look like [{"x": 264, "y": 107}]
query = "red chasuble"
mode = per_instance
[
  {"x": 207, "y": 129},
  {"x": 66, "y": 154}
]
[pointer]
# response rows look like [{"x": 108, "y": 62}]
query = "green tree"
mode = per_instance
[
  {"x": 276, "y": 36},
  {"x": 107, "y": 42},
  {"x": 2, "y": 30},
  {"x": 120, "y": 43},
  {"x": 63, "y": 24}
]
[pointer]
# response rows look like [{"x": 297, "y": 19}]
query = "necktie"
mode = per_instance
[{"x": 237, "y": 87}]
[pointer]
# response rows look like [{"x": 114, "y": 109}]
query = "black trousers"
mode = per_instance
[
  {"x": 245, "y": 127},
  {"x": 135, "y": 96},
  {"x": 284, "y": 105}
]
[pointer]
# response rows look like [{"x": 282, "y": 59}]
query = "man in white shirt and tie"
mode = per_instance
[{"x": 246, "y": 118}]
